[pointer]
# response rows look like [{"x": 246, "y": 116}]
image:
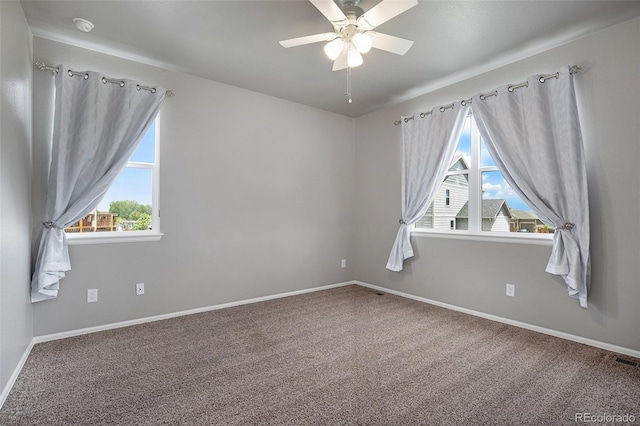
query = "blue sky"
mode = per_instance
[{"x": 134, "y": 183}]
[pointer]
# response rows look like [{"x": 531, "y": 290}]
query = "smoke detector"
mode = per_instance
[{"x": 83, "y": 24}]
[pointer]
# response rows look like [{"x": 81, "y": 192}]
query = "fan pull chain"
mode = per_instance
[{"x": 349, "y": 84}]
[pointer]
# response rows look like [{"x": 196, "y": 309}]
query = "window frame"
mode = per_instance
[
  {"x": 474, "y": 231},
  {"x": 154, "y": 234}
]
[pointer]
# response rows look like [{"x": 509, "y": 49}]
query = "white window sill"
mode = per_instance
[
  {"x": 502, "y": 237},
  {"x": 113, "y": 237}
]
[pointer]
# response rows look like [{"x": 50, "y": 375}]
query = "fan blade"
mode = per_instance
[
  {"x": 316, "y": 38},
  {"x": 341, "y": 63},
  {"x": 389, "y": 43},
  {"x": 384, "y": 11},
  {"x": 331, "y": 11}
]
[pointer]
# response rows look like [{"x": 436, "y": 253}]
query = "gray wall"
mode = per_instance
[
  {"x": 255, "y": 200},
  {"x": 272, "y": 188},
  {"x": 473, "y": 274},
  {"x": 16, "y": 321}
]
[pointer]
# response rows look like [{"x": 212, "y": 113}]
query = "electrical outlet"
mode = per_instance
[
  {"x": 139, "y": 289},
  {"x": 511, "y": 290},
  {"x": 343, "y": 263},
  {"x": 92, "y": 295}
]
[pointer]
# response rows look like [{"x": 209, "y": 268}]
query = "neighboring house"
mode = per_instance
[
  {"x": 495, "y": 216},
  {"x": 522, "y": 221},
  {"x": 451, "y": 196},
  {"x": 450, "y": 210}
]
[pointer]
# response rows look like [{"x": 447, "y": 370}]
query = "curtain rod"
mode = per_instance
[
  {"x": 44, "y": 67},
  {"x": 573, "y": 69}
]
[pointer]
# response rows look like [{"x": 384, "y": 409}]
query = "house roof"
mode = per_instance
[
  {"x": 490, "y": 209},
  {"x": 461, "y": 160},
  {"x": 521, "y": 214}
]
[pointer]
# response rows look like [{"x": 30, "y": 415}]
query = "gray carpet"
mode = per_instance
[{"x": 340, "y": 356}]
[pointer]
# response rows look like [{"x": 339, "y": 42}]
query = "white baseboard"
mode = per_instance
[
  {"x": 555, "y": 333},
  {"x": 71, "y": 333},
  {"x": 78, "y": 332},
  {"x": 16, "y": 372}
]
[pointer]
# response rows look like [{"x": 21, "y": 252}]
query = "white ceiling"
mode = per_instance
[{"x": 236, "y": 42}]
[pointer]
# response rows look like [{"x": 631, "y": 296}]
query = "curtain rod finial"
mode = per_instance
[{"x": 44, "y": 67}]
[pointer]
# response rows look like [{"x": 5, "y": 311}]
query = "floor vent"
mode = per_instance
[{"x": 626, "y": 361}]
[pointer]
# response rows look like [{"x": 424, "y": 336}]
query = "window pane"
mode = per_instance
[
  {"x": 485, "y": 158},
  {"x": 449, "y": 208},
  {"x": 130, "y": 200},
  {"x": 503, "y": 210},
  {"x": 146, "y": 151},
  {"x": 127, "y": 205}
]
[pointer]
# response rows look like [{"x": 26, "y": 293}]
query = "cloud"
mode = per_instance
[{"x": 497, "y": 190}]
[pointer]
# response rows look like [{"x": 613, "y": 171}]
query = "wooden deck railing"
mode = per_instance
[{"x": 95, "y": 222}]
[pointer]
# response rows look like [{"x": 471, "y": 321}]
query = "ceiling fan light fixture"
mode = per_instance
[
  {"x": 363, "y": 42},
  {"x": 334, "y": 48},
  {"x": 354, "y": 58}
]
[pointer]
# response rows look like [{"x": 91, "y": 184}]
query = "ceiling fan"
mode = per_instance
[{"x": 352, "y": 30}]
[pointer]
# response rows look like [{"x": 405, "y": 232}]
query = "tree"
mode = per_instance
[
  {"x": 123, "y": 208},
  {"x": 143, "y": 222},
  {"x": 129, "y": 209},
  {"x": 132, "y": 211}
]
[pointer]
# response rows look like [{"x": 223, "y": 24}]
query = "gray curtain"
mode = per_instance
[
  {"x": 428, "y": 144},
  {"x": 533, "y": 134},
  {"x": 97, "y": 126}
]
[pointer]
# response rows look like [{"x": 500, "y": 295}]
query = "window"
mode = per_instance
[
  {"x": 474, "y": 197},
  {"x": 130, "y": 207}
]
